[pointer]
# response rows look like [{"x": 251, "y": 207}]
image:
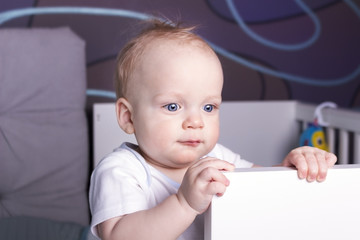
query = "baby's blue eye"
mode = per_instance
[
  {"x": 172, "y": 107},
  {"x": 208, "y": 108}
]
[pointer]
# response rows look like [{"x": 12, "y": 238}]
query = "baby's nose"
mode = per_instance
[{"x": 194, "y": 121}]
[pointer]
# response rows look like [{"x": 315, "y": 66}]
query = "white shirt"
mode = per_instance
[{"x": 123, "y": 182}]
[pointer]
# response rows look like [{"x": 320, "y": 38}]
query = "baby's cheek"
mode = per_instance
[{"x": 213, "y": 132}]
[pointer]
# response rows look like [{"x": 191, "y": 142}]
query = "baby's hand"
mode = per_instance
[
  {"x": 202, "y": 181},
  {"x": 311, "y": 163}
]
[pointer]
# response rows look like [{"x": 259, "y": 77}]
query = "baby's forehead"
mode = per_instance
[
  {"x": 162, "y": 53},
  {"x": 166, "y": 53}
]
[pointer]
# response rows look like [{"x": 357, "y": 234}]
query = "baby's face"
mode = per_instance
[{"x": 176, "y": 103}]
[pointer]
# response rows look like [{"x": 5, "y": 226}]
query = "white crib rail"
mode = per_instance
[
  {"x": 272, "y": 203},
  {"x": 342, "y": 134}
]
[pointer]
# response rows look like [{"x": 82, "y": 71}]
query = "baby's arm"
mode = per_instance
[
  {"x": 312, "y": 163},
  {"x": 174, "y": 215},
  {"x": 165, "y": 221}
]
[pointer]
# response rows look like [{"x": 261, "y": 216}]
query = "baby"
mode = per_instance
[{"x": 169, "y": 84}]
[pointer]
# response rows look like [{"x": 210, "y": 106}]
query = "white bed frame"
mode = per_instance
[
  {"x": 261, "y": 131},
  {"x": 272, "y": 203}
]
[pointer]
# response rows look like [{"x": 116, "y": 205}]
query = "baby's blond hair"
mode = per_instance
[{"x": 133, "y": 50}]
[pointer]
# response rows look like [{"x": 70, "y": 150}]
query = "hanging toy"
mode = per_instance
[{"x": 314, "y": 134}]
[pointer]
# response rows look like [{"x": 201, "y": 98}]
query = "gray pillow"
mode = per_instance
[{"x": 43, "y": 128}]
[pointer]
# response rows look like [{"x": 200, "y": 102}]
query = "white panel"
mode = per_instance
[
  {"x": 268, "y": 203},
  {"x": 107, "y": 133},
  {"x": 262, "y": 132}
]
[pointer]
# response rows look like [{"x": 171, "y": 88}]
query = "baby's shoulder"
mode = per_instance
[
  {"x": 120, "y": 157},
  {"x": 122, "y": 162}
]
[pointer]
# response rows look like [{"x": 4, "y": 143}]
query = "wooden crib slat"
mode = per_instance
[
  {"x": 343, "y": 147},
  {"x": 330, "y": 138},
  {"x": 357, "y": 148}
]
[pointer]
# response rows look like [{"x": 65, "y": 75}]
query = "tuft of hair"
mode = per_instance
[{"x": 132, "y": 51}]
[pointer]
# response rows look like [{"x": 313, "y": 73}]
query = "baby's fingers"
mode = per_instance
[
  {"x": 216, "y": 188},
  {"x": 318, "y": 163},
  {"x": 330, "y": 159},
  {"x": 322, "y": 168},
  {"x": 211, "y": 175},
  {"x": 312, "y": 161},
  {"x": 214, "y": 163},
  {"x": 325, "y": 161},
  {"x": 297, "y": 160},
  {"x": 215, "y": 181}
]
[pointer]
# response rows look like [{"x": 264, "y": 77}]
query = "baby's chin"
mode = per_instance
[{"x": 188, "y": 157}]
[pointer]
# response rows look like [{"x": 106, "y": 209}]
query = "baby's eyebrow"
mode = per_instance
[
  {"x": 165, "y": 96},
  {"x": 175, "y": 96},
  {"x": 215, "y": 99}
]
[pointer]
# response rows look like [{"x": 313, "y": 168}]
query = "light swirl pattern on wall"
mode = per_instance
[
  {"x": 279, "y": 46},
  {"x": 8, "y": 15}
]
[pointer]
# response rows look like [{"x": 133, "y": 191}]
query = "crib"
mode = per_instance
[{"x": 271, "y": 198}]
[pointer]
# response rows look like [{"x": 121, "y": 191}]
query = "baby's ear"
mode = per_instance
[{"x": 123, "y": 114}]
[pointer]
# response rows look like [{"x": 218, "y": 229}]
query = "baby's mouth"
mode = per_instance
[{"x": 191, "y": 143}]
